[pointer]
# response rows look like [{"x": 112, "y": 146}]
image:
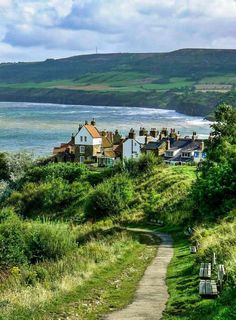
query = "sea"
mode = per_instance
[{"x": 38, "y": 127}]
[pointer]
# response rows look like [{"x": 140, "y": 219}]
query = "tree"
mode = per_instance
[
  {"x": 214, "y": 190},
  {"x": 4, "y": 171}
]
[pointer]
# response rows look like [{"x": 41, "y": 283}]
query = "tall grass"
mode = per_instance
[
  {"x": 31, "y": 287},
  {"x": 166, "y": 194},
  {"x": 221, "y": 239}
]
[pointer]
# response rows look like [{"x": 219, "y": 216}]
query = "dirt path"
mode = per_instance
[{"x": 151, "y": 295}]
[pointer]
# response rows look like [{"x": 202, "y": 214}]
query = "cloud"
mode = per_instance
[{"x": 46, "y": 27}]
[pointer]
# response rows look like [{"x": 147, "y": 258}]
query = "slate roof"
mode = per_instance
[
  {"x": 153, "y": 145},
  {"x": 185, "y": 145}
]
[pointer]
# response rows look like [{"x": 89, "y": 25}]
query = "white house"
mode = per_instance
[
  {"x": 88, "y": 142},
  {"x": 132, "y": 145}
]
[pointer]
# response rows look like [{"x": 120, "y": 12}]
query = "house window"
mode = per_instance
[
  {"x": 81, "y": 139},
  {"x": 81, "y": 159},
  {"x": 185, "y": 154},
  {"x": 82, "y": 149},
  {"x": 169, "y": 154},
  {"x": 85, "y": 139},
  {"x": 196, "y": 154}
]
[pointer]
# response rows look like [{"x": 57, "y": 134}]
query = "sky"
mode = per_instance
[{"x": 33, "y": 30}]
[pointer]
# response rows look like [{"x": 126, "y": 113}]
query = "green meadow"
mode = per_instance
[{"x": 75, "y": 241}]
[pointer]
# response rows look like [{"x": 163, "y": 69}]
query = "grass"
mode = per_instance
[
  {"x": 101, "y": 274},
  {"x": 99, "y": 277},
  {"x": 124, "y": 82},
  {"x": 182, "y": 280},
  {"x": 163, "y": 193},
  {"x": 224, "y": 79},
  {"x": 109, "y": 81}
]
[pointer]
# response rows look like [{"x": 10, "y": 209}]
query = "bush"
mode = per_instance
[
  {"x": 7, "y": 215},
  {"x": 18, "y": 164},
  {"x": 147, "y": 162},
  {"x": 55, "y": 196},
  {"x": 110, "y": 197},
  {"x": 13, "y": 244},
  {"x": 4, "y": 172},
  {"x": 49, "y": 240},
  {"x": 22, "y": 242},
  {"x": 144, "y": 164},
  {"x": 66, "y": 171}
]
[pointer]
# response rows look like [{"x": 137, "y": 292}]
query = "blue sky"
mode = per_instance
[{"x": 39, "y": 29}]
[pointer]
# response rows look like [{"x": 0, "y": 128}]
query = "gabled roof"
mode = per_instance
[
  {"x": 154, "y": 145},
  {"x": 106, "y": 143},
  {"x": 92, "y": 130},
  {"x": 185, "y": 144}
]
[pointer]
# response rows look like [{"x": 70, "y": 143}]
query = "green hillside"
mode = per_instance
[
  {"x": 75, "y": 241},
  {"x": 203, "y": 78}
]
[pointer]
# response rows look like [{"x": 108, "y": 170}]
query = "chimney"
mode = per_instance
[
  {"x": 103, "y": 133},
  {"x": 172, "y": 133},
  {"x": 153, "y": 132},
  {"x": 80, "y": 127},
  {"x": 86, "y": 122},
  {"x": 142, "y": 132},
  {"x": 132, "y": 134},
  {"x": 194, "y": 136},
  {"x": 116, "y": 137},
  {"x": 202, "y": 145},
  {"x": 93, "y": 122},
  {"x": 72, "y": 139},
  {"x": 167, "y": 144},
  {"x": 178, "y": 135}
]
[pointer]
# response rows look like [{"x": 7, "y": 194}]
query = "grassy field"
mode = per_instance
[
  {"x": 90, "y": 264},
  {"x": 183, "y": 281},
  {"x": 99, "y": 277},
  {"x": 128, "y": 82}
]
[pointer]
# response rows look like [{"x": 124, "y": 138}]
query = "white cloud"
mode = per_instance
[{"x": 62, "y": 27}]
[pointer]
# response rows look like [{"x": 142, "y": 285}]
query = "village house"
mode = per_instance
[
  {"x": 159, "y": 144},
  {"x": 90, "y": 146},
  {"x": 186, "y": 150},
  {"x": 103, "y": 148},
  {"x": 132, "y": 145}
]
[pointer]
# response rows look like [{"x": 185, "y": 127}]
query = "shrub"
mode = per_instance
[
  {"x": 49, "y": 240},
  {"x": 4, "y": 172},
  {"x": 110, "y": 197},
  {"x": 66, "y": 171},
  {"x": 55, "y": 196},
  {"x": 144, "y": 164},
  {"x": 147, "y": 162},
  {"x": 13, "y": 244},
  {"x": 18, "y": 164},
  {"x": 8, "y": 214}
]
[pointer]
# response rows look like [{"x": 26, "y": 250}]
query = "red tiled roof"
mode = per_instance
[{"x": 93, "y": 131}]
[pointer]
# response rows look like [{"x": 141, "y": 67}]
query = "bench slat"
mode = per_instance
[{"x": 208, "y": 288}]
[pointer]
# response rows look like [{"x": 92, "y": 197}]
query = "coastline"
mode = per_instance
[{"x": 190, "y": 103}]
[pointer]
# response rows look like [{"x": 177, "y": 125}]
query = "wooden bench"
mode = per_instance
[
  {"x": 193, "y": 249},
  {"x": 208, "y": 289},
  {"x": 213, "y": 260},
  {"x": 188, "y": 232},
  {"x": 221, "y": 275},
  {"x": 205, "y": 271}
]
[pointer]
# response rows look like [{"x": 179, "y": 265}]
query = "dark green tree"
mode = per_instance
[
  {"x": 214, "y": 190},
  {"x": 4, "y": 171}
]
